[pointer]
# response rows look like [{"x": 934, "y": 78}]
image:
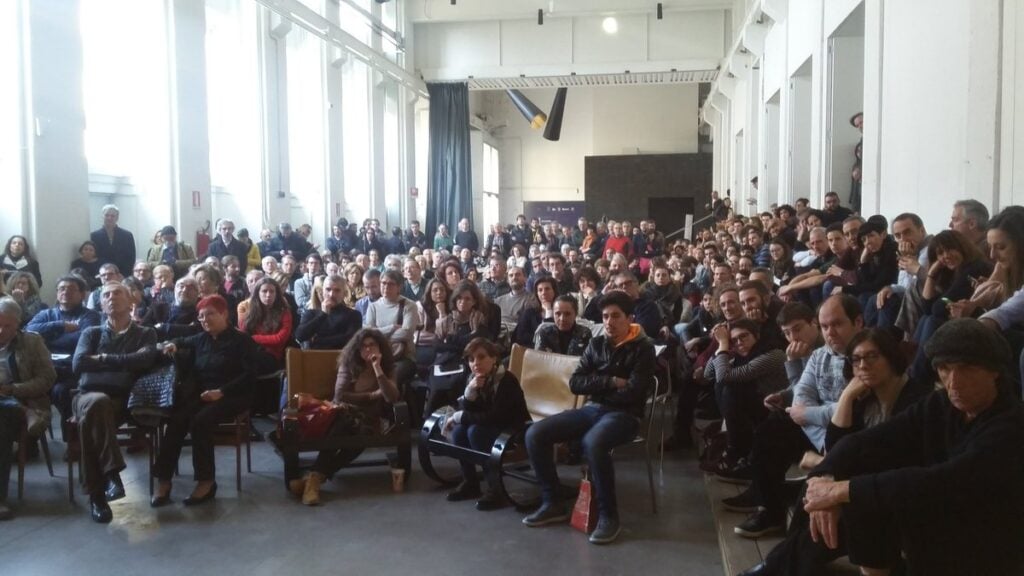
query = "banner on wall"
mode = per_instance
[{"x": 565, "y": 213}]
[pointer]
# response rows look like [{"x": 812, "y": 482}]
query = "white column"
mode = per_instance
[
  {"x": 190, "y": 135},
  {"x": 56, "y": 215}
]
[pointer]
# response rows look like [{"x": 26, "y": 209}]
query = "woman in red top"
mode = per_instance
[{"x": 269, "y": 320}]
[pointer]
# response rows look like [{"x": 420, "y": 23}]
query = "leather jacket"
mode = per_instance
[{"x": 601, "y": 362}]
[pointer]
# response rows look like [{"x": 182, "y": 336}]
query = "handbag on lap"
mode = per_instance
[{"x": 152, "y": 395}]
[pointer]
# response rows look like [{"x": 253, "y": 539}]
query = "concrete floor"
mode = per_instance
[{"x": 362, "y": 528}]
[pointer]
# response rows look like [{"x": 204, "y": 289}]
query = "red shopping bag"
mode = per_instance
[{"x": 584, "y": 514}]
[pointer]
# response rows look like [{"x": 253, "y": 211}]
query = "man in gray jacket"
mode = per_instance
[{"x": 26, "y": 375}]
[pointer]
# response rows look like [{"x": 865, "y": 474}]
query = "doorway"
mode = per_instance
[{"x": 670, "y": 213}]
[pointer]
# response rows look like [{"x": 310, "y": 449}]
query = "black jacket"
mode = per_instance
[
  {"x": 550, "y": 339},
  {"x": 881, "y": 270},
  {"x": 228, "y": 362},
  {"x": 467, "y": 239},
  {"x": 931, "y": 471},
  {"x": 175, "y": 321},
  {"x": 501, "y": 406},
  {"x": 319, "y": 331},
  {"x": 911, "y": 393},
  {"x": 121, "y": 251},
  {"x": 237, "y": 248},
  {"x": 601, "y": 362}
]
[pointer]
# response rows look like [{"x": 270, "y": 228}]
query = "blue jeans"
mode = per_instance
[
  {"x": 884, "y": 317},
  {"x": 11, "y": 418},
  {"x": 478, "y": 437},
  {"x": 601, "y": 429}
]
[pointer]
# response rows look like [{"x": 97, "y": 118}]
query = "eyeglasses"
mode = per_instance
[{"x": 869, "y": 358}]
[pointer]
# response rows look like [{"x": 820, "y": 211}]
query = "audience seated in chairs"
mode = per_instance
[
  {"x": 60, "y": 328},
  {"x": 332, "y": 324},
  {"x": 938, "y": 484},
  {"x": 617, "y": 373},
  {"x": 395, "y": 316},
  {"x": 364, "y": 387},
  {"x": 785, "y": 436},
  {"x": 491, "y": 403},
  {"x": 109, "y": 359},
  {"x": 518, "y": 298},
  {"x": 564, "y": 335},
  {"x": 269, "y": 322},
  {"x": 879, "y": 390},
  {"x": 17, "y": 257},
  {"x": 432, "y": 308},
  {"x": 22, "y": 286},
  {"x": 217, "y": 386},
  {"x": 746, "y": 368},
  {"x": 178, "y": 318},
  {"x": 545, "y": 290},
  {"x": 466, "y": 320},
  {"x": 26, "y": 375}
]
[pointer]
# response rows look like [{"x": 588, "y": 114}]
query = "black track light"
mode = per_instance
[{"x": 553, "y": 129}]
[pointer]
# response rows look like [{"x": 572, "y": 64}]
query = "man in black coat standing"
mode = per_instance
[
  {"x": 226, "y": 244},
  {"x": 114, "y": 244}
]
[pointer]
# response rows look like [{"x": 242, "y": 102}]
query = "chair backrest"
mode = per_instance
[
  {"x": 312, "y": 371},
  {"x": 544, "y": 377}
]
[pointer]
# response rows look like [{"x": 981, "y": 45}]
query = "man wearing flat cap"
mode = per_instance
[
  {"x": 178, "y": 255},
  {"x": 938, "y": 485}
]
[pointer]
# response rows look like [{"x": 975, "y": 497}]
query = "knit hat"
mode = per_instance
[{"x": 968, "y": 341}]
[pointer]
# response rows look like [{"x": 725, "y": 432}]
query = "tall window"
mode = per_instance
[
  {"x": 125, "y": 91},
  {"x": 357, "y": 140},
  {"x": 392, "y": 140},
  {"x": 491, "y": 183},
  {"x": 11, "y": 180},
  {"x": 307, "y": 169},
  {"x": 491, "y": 177},
  {"x": 354, "y": 22},
  {"x": 233, "y": 109}
]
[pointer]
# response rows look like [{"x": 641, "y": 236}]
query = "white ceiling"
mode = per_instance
[{"x": 426, "y": 11}]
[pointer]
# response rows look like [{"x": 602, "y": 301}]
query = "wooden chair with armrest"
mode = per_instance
[{"x": 314, "y": 372}]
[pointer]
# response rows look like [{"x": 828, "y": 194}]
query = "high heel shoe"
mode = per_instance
[
  {"x": 209, "y": 496},
  {"x": 160, "y": 500}
]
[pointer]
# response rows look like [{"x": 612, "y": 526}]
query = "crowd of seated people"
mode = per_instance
[{"x": 807, "y": 331}]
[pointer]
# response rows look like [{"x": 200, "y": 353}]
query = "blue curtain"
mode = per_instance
[{"x": 450, "y": 183}]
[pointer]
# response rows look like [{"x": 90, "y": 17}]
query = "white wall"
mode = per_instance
[
  {"x": 941, "y": 108},
  {"x": 597, "y": 121},
  {"x": 575, "y": 43}
]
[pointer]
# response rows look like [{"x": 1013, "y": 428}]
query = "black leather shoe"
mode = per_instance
[
  {"x": 158, "y": 501},
  {"x": 759, "y": 570},
  {"x": 463, "y": 491},
  {"x": 115, "y": 488},
  {"x": 100, "y": 510},
  {"x": 490, "y": 501},
  {"x": 208, "y": 497}
]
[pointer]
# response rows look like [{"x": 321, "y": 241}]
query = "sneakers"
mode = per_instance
[
  {"x": 464, "y": 491},
  {"x": 744, "y": 502},
  {"x": 760, "y": 524},
  {"x": 739, "y": 472},
  {"x": 311, "y": 493},
  {"x": 606, "y": 532},
  {"x": 547, "y": 514}
]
